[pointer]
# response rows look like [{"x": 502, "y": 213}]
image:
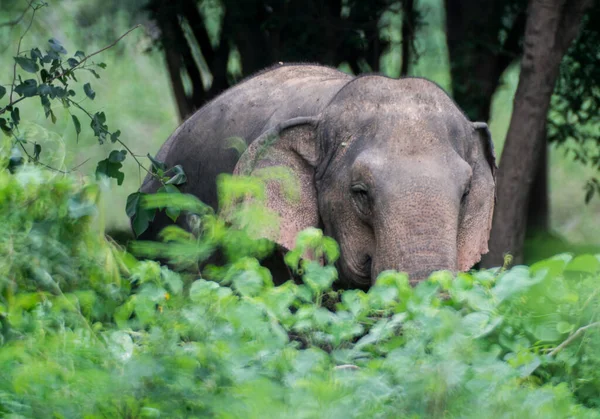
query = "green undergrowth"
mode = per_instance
[{"x": 90, "y": 331}]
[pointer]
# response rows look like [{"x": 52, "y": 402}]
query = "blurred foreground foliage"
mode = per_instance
[{"x": 90, "y": 331}]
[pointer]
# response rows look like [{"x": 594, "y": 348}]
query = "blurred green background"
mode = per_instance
[{"x": 135, "y": 93}]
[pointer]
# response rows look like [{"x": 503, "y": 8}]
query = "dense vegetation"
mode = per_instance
[{"x": 89, "y": 331}]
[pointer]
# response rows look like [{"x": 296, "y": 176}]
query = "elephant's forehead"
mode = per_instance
[{"x": 404, "y": 132}]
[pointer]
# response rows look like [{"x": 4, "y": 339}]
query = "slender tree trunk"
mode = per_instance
[
  {"x": 408, "y": 34},
  {"x": 477, "y": 57},
  {"x": 551, "y": 27},
  {"x": 174, "y": 67}
]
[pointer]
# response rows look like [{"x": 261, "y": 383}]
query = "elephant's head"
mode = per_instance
[{"x": 391, "y": 169}]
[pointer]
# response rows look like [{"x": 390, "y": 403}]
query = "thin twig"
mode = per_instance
[
  {"x": 84, "y": 59},
  {"x": 590, "y": 298},
  {"x": 79, "y": 165},
  {"x": 62, "y": 74},
  {"x": 16, "y": 21},
  {"x": 11, "y": 104},
  {"x": 573, "y": 337},
  {"x": 37, "y": 161},
  {"x": 12, "y": 87},
  {"x": 118, "y": 140}
]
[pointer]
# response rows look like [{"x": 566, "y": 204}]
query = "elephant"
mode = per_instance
[{"x": 392, "y": 169}]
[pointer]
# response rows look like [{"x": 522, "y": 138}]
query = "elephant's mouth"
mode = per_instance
[
  {"x": 366, "y": 267},
  {"x": 361, "y": 271}
]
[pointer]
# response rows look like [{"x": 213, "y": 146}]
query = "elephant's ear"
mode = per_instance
[
  {"x": 291, "y": 145},
  {"x": 478, "y": 208}
]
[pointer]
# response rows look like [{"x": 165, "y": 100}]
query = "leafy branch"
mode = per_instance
[
  {"x": 54, "y": 73},
  {"x": 35, "y": 9}
]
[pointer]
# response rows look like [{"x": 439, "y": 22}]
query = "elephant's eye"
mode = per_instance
[
  {"x": 466, "y": 193},
  {"x": 360, "y": 194}
]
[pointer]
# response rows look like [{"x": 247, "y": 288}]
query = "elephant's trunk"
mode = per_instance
[{"x": 418, "y": 240}]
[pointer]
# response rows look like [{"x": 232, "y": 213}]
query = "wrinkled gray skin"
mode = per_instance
[{"x": 391, "y": 169}]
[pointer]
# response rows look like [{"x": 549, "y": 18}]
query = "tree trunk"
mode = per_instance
[
  {"x": 551, "y": 27},
  {"x": 538, "y": 209},
  {"x": 174, "y": 67},
  {"x": 477, "y": 57},
  {"x": 408, "y": 34}
]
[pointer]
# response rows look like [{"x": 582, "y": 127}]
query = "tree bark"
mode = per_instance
[
  {"x": 477, "y": 57},
  {"x": 408, "y": 34},
  {"x": 551, "y": 27},
  {"x": 174, "y": 67},
  {"x": 538, "y": 209}
]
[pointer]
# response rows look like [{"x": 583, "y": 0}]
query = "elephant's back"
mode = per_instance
[
  {"x": 259, "y": 102},
  {"x": 244, "y": 111}
]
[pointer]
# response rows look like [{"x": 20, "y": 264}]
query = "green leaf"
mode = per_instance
[
  {"x": 133, "y": 203},
  {"x": 4, "y": 125},
  {"x": 15, "y": 115},
  {"x": 121, "y": 345},
  {"x": 59, "y": 92},
  {"x": 44, "y": 75},
  {"x": 110, "y": 169},
  {"x": 140, "y": 216},
  {"x": 72, "y": 62},
  {"x": 201, "y": 289},
  {"x": 89, "y": 92},
  {"x": 172, "y": 280},
  {"x": 589, "y": 194},
  {"x": 157, "y": 165},
  {"x": 317, "y": 277},
  {"x": 172, "y": 213},
  {"x": 16, "y": 159},
  {"x": 77, "y": 125},
  {"x": 28, "y": 88},
  {"x": 79, "y": 206},
  {"x": 124, "y": 312},
  {"x": 117, "y": 156},
  {"x": 179, "y": 176},
  {"x": 517, "y": 280},
  {"x": 44, "y": 89},
  {"x": 36, "y": 54},
  {"x": 27, "y": 64},
  {"x": 98, "y": 125},
  {"x": 142, "y": 220},
  {"x": 102, "y": 65},
  {"x": 37, "y": 149},
  {"x": 91, "y": 70},
  {"x": 584, "y": 263},
  {"x": 564, "y": 327},
  {"x": 80, "y": 55},
  {"x": 114, "y": 137},
  {"x": 56, "y": 46},
  {"x": 2, "y": 91},
  {"x": 51, "y": 57},
  {"x": 46, "y": 105}
]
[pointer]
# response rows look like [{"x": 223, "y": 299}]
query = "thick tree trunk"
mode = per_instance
[
  {"x": 551, "y": 27},
  {"x": 538, "y": 209}
]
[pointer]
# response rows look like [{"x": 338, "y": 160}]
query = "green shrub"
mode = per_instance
[{"x": 89, "y": 331}]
